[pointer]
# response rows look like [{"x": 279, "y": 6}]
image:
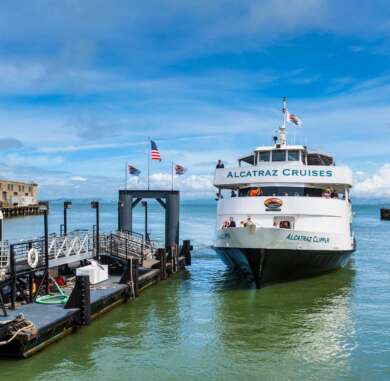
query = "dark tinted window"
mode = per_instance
[
  {"x": 284, "y": 191},
  {"x": 279, "y": 155},
  {"x": 293, "y": 155},
  {"x": 264, "y": 156}
]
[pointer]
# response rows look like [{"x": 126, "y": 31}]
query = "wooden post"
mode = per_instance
[
  {"x": 163, "y": 263},
  {"x": 135, "y": 276},
  {"x": 186, "y": 251}
]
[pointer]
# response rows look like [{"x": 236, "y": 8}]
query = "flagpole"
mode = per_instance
[
  {"x": 284, "y": 109},
  {"x": 126, "y": 170},
  {"x": 148, "y": 162},
  {"x": 172, "y": 173}
]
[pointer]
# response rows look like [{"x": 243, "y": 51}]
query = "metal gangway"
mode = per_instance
[
  {"x": 76, "y": 246},
  {"x": 125, "y": 245}
]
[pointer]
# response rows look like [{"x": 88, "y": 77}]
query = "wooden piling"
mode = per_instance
[
  {"x": 161, "y": 253},
  {"x": 186, "y": 252}
]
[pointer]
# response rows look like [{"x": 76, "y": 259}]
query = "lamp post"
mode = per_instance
[
  {"x": 95, "y": 205},
  {"x": 44, "y": 207},
  {"x": 1, "y": 225},
  {"x": 67, "y": 205},
  {"x": 145, "y": 205}
]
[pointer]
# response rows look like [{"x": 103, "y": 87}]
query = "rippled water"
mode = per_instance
[{"x": 205, "y": 324}]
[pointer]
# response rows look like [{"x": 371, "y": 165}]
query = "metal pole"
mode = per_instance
[
  {"x": 46, "y": 243},
  {"x": 97, "y": 230},
  {"x": 13, "y": 274},
  {"x": 65, "y": 220},
  {"x": 146, "y": 220},
  {"x": 172, "y": 174},
  {"x": 126, "y": 171},
  {"x": 149, "y": 163}
]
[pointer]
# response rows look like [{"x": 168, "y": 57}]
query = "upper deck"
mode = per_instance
[{"x": 283, "y": 164}]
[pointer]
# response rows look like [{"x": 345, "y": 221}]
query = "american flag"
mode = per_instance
[
  {"x": 293, "y": 119},
  {"x": 155, "y": 155},
  {"x": 179, "y": 169},
  {"x": 134, "y": 171}
]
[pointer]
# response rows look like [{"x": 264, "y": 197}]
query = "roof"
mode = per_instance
[
  {"x": 19, "y": 182},
  {"x": 268, "y": 148}
]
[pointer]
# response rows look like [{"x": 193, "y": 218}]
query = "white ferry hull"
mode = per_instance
[{"x": 270, "y": 255}]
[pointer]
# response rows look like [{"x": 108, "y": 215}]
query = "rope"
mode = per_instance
[{"x": 30, "y": 325}]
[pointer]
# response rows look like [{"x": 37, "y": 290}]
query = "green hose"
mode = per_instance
[
  {"x": 60, "y": 298},
  {"x": 52, "y": 299}
]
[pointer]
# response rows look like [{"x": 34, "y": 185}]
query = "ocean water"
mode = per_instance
[{"x": 204, "y": 324}]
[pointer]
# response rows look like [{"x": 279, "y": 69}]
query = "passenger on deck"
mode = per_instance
[
  {"x": 225, "y": 224},
  {"x": 247, "y": 222},
  {"x": 232, "y": 223},
  {"x": 285, "y": 224},
  {"x": 255, "y": 192},
  {"x": 327, "y": 193},
  {"x": 233, "y": 194},
  {"x": 220, "y": 164}
]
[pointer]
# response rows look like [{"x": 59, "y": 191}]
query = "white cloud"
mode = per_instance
[
  {"x": 79, "y": 178},
  {"x": 377, "y": 185}
]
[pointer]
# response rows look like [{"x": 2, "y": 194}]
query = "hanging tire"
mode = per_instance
[{"x": 33, "y": 258}]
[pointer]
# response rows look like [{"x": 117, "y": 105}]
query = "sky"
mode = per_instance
[{"x": 83, "y": 84}]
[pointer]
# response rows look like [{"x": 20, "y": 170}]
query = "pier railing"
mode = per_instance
[{"x": 76, "y": 246}]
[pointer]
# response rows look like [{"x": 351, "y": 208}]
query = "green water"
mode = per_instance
[{"x": 205, "y": 325}]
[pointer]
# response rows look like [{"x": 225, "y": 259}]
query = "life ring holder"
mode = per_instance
[{"x": 33, "y": 257}]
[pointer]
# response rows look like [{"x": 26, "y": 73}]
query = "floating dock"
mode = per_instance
[{"x": 133, "y": 261}]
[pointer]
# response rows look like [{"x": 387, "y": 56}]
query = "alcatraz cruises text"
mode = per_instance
[{"x": 286, "y": 172}]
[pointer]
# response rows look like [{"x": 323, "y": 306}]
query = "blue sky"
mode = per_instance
[{"x": 83, "y": 84}]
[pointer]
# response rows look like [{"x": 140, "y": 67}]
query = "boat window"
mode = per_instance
[
  {"x": 264, "y": 156},
  {"x": 279, "y": 155},
  {"x": 293, "y": 155},
  {"x": 273, "y": 191}
]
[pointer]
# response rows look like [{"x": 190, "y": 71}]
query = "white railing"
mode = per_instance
[
  {"x": 4, "y": 255},
  {"x": 73, "y": 247}
]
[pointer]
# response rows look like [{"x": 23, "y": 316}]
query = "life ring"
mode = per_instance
[{"x": 33, "y": 258}]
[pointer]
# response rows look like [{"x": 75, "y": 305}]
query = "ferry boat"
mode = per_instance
[{"x": 284, "y": 212}]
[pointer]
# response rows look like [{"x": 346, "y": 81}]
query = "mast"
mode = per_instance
[
  {"x": 149, "y": 163},
  {"x": 282, "y": 128}
]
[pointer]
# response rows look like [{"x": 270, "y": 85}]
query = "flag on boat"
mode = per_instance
[
  {"x": 155, "y": 155},
  {"x": 134, "y": 171},
  {"x": 180, "y": 170},
  {"x": 293, "y": 119}
]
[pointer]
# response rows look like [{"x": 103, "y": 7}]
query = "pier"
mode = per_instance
[
  {"x": 45, "y": 293},
  {"x": 24, "y": 211}
]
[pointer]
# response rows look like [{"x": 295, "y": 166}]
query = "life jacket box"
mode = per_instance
[{"x": 96, "y": 272}]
